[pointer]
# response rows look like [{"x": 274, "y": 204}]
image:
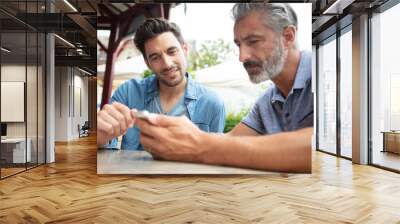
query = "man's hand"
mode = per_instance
[
  {"x": 112, "y": 121},
  {"x": 171, "y": 138}
]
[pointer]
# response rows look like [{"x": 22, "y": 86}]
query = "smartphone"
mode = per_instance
[{"x": 143, "y": 114}]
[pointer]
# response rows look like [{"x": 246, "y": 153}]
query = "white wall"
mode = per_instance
[
  {"x": 61, "y": 103},
  {"x": 33, "y": 126},
  {"x": 80, "y": 100},
  {"x": 69, "y": 85},
  {"x": 12, "y": 73}
]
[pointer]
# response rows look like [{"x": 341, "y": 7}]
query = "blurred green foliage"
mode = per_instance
[
  {"x": 233, "y": 119},
  {"x": 147, "y": 73},
  {"x": 212, "y": 52}
]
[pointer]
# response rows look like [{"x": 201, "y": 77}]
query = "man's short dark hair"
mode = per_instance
[{"x": 153, "y": 27}]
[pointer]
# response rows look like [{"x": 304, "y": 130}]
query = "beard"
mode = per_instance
[
  {"x": 171, "y": 80},
  {"x": 260, "y": 71}
]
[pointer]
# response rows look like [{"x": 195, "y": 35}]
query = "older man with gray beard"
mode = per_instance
[{"x": 276, "y": 135}]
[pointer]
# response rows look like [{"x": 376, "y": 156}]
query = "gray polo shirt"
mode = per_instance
[{"x": 272, "y": 113}]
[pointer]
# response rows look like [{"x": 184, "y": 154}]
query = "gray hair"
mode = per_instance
[{"x": 277, "y": 16}]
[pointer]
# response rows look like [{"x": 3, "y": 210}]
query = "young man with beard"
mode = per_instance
[
  {"x": 170, "y": 91},
  {"x": 276, "y": 135}
]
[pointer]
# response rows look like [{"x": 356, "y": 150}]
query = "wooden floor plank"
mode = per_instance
[{"x": 70, "y": 191}]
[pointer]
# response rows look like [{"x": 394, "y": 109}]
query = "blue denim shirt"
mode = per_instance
[
  {"x": 204, "y": 107},
  {"x": 274, "y": 113}
]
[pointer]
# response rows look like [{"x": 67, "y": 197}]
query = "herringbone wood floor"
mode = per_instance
[{"x": 70, "y": 191}]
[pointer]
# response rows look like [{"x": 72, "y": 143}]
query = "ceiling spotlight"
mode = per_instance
[
  {"x": 64, "y": 40},
  {"x": 5, "y": 50},
  {"x": 86, "y": 72},
  {"x": 337, "y": 7},
  {"x": 70, "y": 5}
]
